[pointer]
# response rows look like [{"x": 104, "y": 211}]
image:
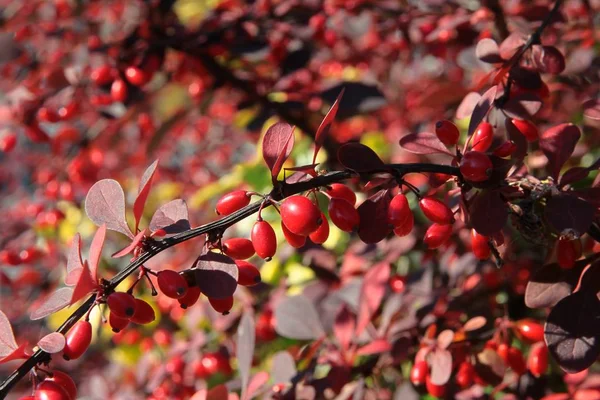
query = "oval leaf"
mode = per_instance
[
  {"x": 373, "y": 226},
  {"x": 171, "y": 217},
  {"x": 277, "y": 146},
  {"x": 487, "y": 51},
  {"x": 283, "y": 367},
  {"x": 423, "y": 143},
  {"x": 558, "y": 144},
  {"x": 488, "y": 212},
  {"x": 245, "y": 348},
  {"x": 591, "y": 109},
  {"x": 105, "y": 204},
  {"x": 566, "y": 212},
  {"x": 467, "y": 105},
  {"x": 297, "y": 318},
  {"x": 360, "y": 158},
  {"x": 143, "y": 191},
  {"x": 482, "y": 108},
  {"x": 551, "y": 283},
  {"x": 57, "y": 301},
  {"x": 216, "y": 275},
  {"x": 374, "y": 286},
  {"x": 522, "y": 106},
  {"x": 7, "y": 338},
  {"x": 52, "y": 343},
  {"x": 441, "y": 366}
]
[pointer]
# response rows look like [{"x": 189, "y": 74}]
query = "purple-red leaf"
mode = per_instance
[
  {"x": 56, "y": 301},
  {"x": 325, "y": 126},
  {"x": 358, "y": 157},
  {"x": 576, "y": 174},
  {"x": 522, "y": 106},
  {"x": 245, "y": 349},
  {"x": 482, "y": 108},
  {"x": 487, "y": 51},
  {"x": 52, "y": 343},
  {"x": 558, "y": 144},
  {"x": 297, "y": 318},
  {"x": 423, "y": 143},
  {"x": 569, "y": 212},
  {"x": 375, "y": 347},
  {"x": 277, "y": 146},
  {"x": 7, "y": 338},
  {"x": 74, "y": 261},
  {"x": 171, "y": 217},
  {"x": 549, "y": 60},
  {"x": 86, "y": 284},
  {"x": 441, "y": 366},
  {"x": 467, "y": 105},
  {"x": 96, "y": 251},
  {"x": 375, "y": 283},
  {"x": 551, "y": 283},
  {"x": 488, "y": 212},
  {"x": 143, "y": 191},
  {"x": 373, "y": 212},
  {"x": 591, "y": 109},
  {"x": 511, "y": 45},
  {"x": 343, "y": 328},
  {"x": 105, "y": 204},
  {"x": 131, "y": 246},
  {"x": 216, "y": 275}
]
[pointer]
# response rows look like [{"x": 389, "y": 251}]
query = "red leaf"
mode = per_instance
[
  {"x": 423, "y": 143},
  {"x": 487, "y": 51},
  {"x": 16, "y": 354},
  {"x": 74, "y": 261},
  {"x": 343, "y": 327},
  {"x": 7, "y": 338},
  {"x": 96, "y": 252},
  {"x": 373, "y": 288},
  {"x": 325, "y": 126},
  {"x": 488, "y": 213},
  {"x": 216, "y": 274},
  {"x": 86, "y": 284},
  {"x": 373, "y": 212},
  {"x": 56, "y": 301},
  {"x": 131, "y": 246},
  {"x": 143, "y": 190},
  {"x": 219, "y": 392},
  {"x": 171, "y": 217},
  {"x": 467, "y": 105},
  {"x": 482, "y": 108},
  {"x": 358, "y": 157},
  {"x": 591, "y": 109},
  {"x": 277, "y": 146},
  {"x": 566, "y": 212},
  {"x": 558, "y": 144},
  {"x": 375, "y": 347},
  {"x": 105, "y": 204},
  {"x": 52, "y": 343},
  {"x": 522, "y": 106}
]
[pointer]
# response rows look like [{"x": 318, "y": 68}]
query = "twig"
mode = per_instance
[{"x": 499, "y": 20}]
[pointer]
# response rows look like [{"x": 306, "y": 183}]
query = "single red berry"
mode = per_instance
[
  {"x": 121, "y": 304},
  {"x": 196, "y": 89},
  {"x": 322, "y": 233},
  {"x": 465, "y": 374},
  {"x": 10, "y": 257},
  {"x": 264, "y": 240},
  {"x": 232, "y": 202},
  {"x": 221, "y": 305},
  {"x": 436, "y": 235},
  {"x": 398, "y": 283},
  {"x": 300, "y": 215},
  {"x": 447, "y": 132},
  {"x": 8, "y": 142},
  {"x": 144, "y": 313},
  {"x": 343, "y": 215},
  {"x": 296, "y": 241},
  {"x": 341, "y": 191},
  {"x": 248, "y": 274},
  {"x": 419, "y": 373},
  {"x": 119, "y": 90},
  {"x": 265, "y": 326},
  {"x": 48, "y": 390},
  {"x": 537, "y": 360},
  {"x": 399, "y": 213},
  {"x": 483, "y": 137},
  {"x": 77, "y": 341},
  {"x": 45, "y": 114},
  {"x": 567, "y": 252},
  {"x": 476, "y": 166},
  {"x": 65, "y": 381},
  {"x": 527, "y": 128},
  {"x": 136, "y": 76},
  {"x": 211, "y": 364},
  {"x": 505, "y": 149},
  {"x": 512, "y": 357},
  {"x": 191, "y": 297},
  {"x": 436, "y": 210},
  {"x": 238, "y": 248},
  {"x": 68, "y": 111},
  {"x": 434, "y": 390},
  {"x": 102, "y": 75},
  {"x": 172, "y": 284},
  {"x": 117, "y": 324},
  {"x": 529, "y": 330},
  {"x": 479, "y": 245}
]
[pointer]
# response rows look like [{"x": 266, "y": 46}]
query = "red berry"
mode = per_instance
[
  {"x": 117, "y": 324},
  {"x": 505, "y": 149},
  {"x": 529, "y": 330},
  {"x": 10, "y": 257},
  {"x": 48, "y": 390},
  {"x": 434, "y": 390},
  {"x": 512, "y": 357},
  {"x": 341, "y": 191},
  {"x": 78, "y": 339},
  {"x": 399, "y": 213},
  {"x": 343, "y": 215},
  {"x": 221, "y": 305},
  {"x": 527, "y": 128},
  {"x": 537, "y": 360},
  {"x": 172, "y": 284},
  {"x": 102, "y": 75},
  {"x": 65, "y": 381},
  {"x": 67, "y": 112},
  {"x": 121, "y": 304},
  {"x": 190, "y": 298},
  {"x": 296, "y": 241},
  {"x": 144, "y": 313},
  {"x": 476, "y": 166},
  {"x": 483, "y": 137},
  {"x": 465, "y": 374},
  {"x": 8, "y": 142},
  {"x": 567, "y": 252},
  {"x": 419, "y": 373},
  {"x": 264, "y": 240},
  {"x": 447, "y": 132},
  {"x": 437, "y": 235},
  {"x": 238, "y": 248},
  {"x": 436, "y": 210},
  {"x": 398, "y": 283},
  {"x": 45, "y": 114},
  {"x": 136, "y": 76},
  {"x": 210, "y": 364},
  {"x": 119, "y": 90},
  {"x": 265, "y": 326},
  {"x": 232, "y": 202},
  {"x": 300, "y": 215},
  {"x": 479, "y": 245},
  {"x": 248, "y": 274},
  {"x": 322, "y": 233}
]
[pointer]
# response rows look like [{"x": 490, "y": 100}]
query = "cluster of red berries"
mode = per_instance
[
  {"x": 119, "y": 81},
  {"x": 125, "y": 308},
  {"x": 56, "y": 386},
  {"x": 26, "y": 256}
]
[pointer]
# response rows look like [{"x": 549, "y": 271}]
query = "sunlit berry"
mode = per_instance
[
  {"x": 537, "y": 359},
  {"x": 136, "y": 76},
  {"x": 300, "y": 215},
  {"x": 248, "y": 274},
  {"x": 77, "y": 341},
  {"x": 222, "y": 305},
  {"x": 238, "y": 248},
  {"x": 48, "y": 390},
  {"x": 398, "y": 283},
  {"x": 117, "y": 324},
  {"x": 341, "y": 191},
  {"x": 529, "y": 330},
  {"x": 419, "y": 373},
  {"x": 102, "y": 75},
  {"x": 465, "y": 374},
  {"x": 447, "y": 132},
  {"x": 171, "y": 284},
  {"x": 343, "y": 215},
  {"x": 483, "y": 137},
  {"x": 264, "y": 240},
  {"x": 436, "y": 210},
  {"x": 144, "y": 313},
  {"x": 399, "y": 213},
  {"x": 436, "y": 235},
  {"x": 65, "y": 381},
  {"x": 479, "y": 245},
  {"x": 296, "y": 241},
  {"x": 121, "y": 304},
  {"x": 527, "y": 128},
  {"x": 8, "y": 142},
  {"x": 190, "y": 298},
  {"x": 119, "y": 90},
  {"x": 505, "y": 149},
  {"x": 322, "y": 233},
  {"x": 233, "y": 201},
  {"x": 476, "y": 166},
  {"x": 433, "y": 389}
]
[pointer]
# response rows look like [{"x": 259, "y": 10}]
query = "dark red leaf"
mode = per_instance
[
  {"x": 131, "y": 246},
  {"x": 52, "y": 343},
  {"x": 374, "y": 286},
  {"x": 490, "y": 367},
  {"x": 591, "y": 195},
  {"x": 373, "y": 212},
  {"x": 343, "y": 328},
  {"x": 375, "y": 347},
  {"x": 297, "y": 318},
  {"x": 245, "y": 349},
  {"x": 571, "y": 331},
  {"x": 549, "y": 60},
  {"x": 569, "y": 212},
  {"x": 325, "y": 126},
  {"x": 522, "y": 106},
  {"x": 591, "y": 109},
  {"x": 423, "y": 143},
  {"x": 74, "y": 262},
  {"x": 511, "y": 45},
  {"x": 482, "y": 108},
  {"x": 518, "y": 139},
  {"x": 277, "y": 146},
  {"x": 360, "y": 158},
  {"x": 7, "y": 338},
  {"x": 56, "y": 301},
  {"x": 467, "y": 105},
  {"x": 143, "y": 191},
  {"x": 488, "y": 212},
  {"x": 105, "y": 204},
  {"x": 558, "y": 144},
  {"x": 216, "y": 275},
  {"x": 487, "y": 51},
  {"x": 551, "y": 283},
  {"x": 171, "y": 217},
  {"x": 86, "y": 284}
]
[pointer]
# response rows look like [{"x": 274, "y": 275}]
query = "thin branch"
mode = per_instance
[{"x": 499, "y": 20}]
